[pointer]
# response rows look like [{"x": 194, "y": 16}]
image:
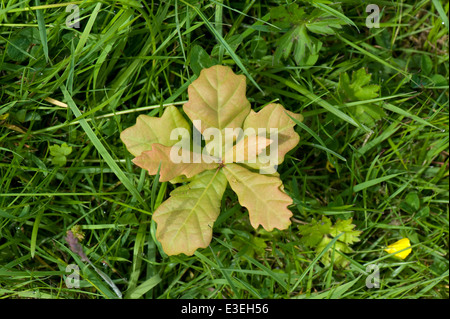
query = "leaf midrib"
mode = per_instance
[
  {"x": 207, "y": 187},
  {"x": 220, "y": 106}
]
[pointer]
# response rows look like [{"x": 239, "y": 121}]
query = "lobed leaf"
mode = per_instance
[
  {"x": 274, "y": 116},
  {"x": 262, "y": 195},
  {"x": 313, "y": 233},
  {"x": 217, "y": 98},
  {"x": 326, "y": 258},
  {"x": 297, "y": 39},
  {"x": 59, "y": 154},
  {"x": 185, "y": 220},
  {"x": 63, "y": 150},
  {"x": 318, "y": 234},
  {"x": 164, "y": 155},
  {"x": 359, "y": 89},
  {"x": 149, "y": 130},
  {"x": 345, "y": 226},
  {"x": 246, "y": 149}
]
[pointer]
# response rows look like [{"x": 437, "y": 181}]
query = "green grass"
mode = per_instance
[{"x": 131, "y": 57}]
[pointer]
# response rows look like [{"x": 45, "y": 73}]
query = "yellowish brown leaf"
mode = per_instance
[{"x": 262, "y": 195}]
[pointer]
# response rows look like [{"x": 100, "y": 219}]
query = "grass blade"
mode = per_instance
[
  {"x": 316, "y": 259},
  {"x": 334, "y": 12},
  {"x": 87, "y": 30},
  {"x": 371, "y": 55},
  {"x": 42, "y": 30},
  {"x": 400, "y": 111},
  {"x": 330, "y": 108},
  {"x": 102, "y": 150},
  {"x": 438, "y": 5},
  {"x": 374, "y": 182},
  {"x": 222, "y": 41},
  {"x": 267, "y": 270},
  {"x": 322, "y": 145},
  {"x": 34, "y": 233},
  {"x": 143, "y": 288}
]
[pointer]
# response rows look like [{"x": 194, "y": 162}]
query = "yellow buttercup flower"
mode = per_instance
[{"x": 399, "y": 245}]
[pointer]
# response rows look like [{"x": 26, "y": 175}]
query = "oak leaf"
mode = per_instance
[
  {"x": 149, "y": 130},
  {"x": 246, "y": 149},
  {"x": 161, "y": 155},
  {"x": 185, "y": 221},
  {"x": 262, "y": 196},
  {"x": 270, "y": 117},
  {"x": 217, "y": 98},
  {"x": 217, "y": 102}
]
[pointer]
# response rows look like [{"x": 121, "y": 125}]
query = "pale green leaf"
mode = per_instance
[
  {"x": 313, "y": 232},
  {"x": 59, "y": 154},
  {"x": 349, "y": 236},
  {"x": 339, "y": 260},
  {"x": 148, "y": 130},
  {"x": 360, "y": 89},
  {"x": 185, "y": 221},
  {"x": 63, "y": 150}
]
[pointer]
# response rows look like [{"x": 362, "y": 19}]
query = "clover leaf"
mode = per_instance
[{"x": 59, "y": 154}]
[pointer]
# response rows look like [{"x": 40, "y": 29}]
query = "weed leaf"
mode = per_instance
[{"x": 360, "y": 89}]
